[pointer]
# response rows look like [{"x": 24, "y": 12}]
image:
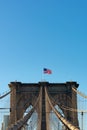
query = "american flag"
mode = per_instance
[{"x": 47, "y": 71}]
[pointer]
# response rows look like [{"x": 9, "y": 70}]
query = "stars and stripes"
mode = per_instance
[{"x": 47, "y": 71}]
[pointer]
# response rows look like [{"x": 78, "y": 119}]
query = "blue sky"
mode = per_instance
[
  {"x": 38, "y": 34},
  {"x": 43, "y": 33}
]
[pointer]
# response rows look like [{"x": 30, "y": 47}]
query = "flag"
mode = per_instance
[{"x": 47, "y": 71}]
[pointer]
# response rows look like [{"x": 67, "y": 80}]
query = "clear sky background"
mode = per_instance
[{"x": 43, "y": 33}]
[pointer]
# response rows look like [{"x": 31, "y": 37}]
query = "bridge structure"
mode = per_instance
[{"x": 43, "y": 97}]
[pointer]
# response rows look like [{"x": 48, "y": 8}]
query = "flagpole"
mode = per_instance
[
  {"x": 45, "y": 71},
  {"x": 43, "y": 76}
]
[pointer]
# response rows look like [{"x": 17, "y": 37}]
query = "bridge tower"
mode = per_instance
[{"x": 24, "y": 94}]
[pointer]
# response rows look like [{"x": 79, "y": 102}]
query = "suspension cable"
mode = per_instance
[
  {"x": 63, "y": 120},
  {"x": 72, "y": 109},
  {"x": 80, "y": 93},
  {"x": 5, "y": 94},
  {"x": 22, "y": 121}
]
